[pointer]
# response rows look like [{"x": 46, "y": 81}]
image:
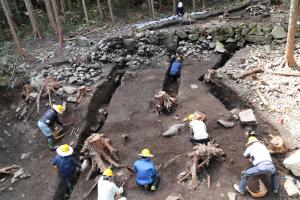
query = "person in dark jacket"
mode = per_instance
[
  {"x": 66, "y": 164},
  {"x": 47, "y": 121},
  {"x": 180, "y": 11},
  {"x": 146, "y": 173},
  {"x": 175, "y": 69}
]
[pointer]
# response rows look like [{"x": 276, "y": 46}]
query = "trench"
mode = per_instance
[{"x": 101, "y": 98}]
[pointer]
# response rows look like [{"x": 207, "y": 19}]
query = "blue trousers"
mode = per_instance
[
  {"x": 46, "y": 130},
  {"x": 261, "y": 168}
]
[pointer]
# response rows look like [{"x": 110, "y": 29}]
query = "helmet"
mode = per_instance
[
  {"x": 180, "y": 5},
  {"x": 64, "y": 150},
  {"x": 146, "y": 153},
  {"x": 108, "y": 172},
  {"x": 191, "y": 117},
  {"x": 178, "y": 58},
  {"x": 251, "y": 140},
  {"x": 59, "y": 108}
]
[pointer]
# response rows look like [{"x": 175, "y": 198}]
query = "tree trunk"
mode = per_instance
[
  {"x": 152, "y": 8},
  {"x": 194, "y": 5},
  {"x": 111, "y": 12},
  {"x": 51, "y": 16},
  {"x": 69, "y": 5},
  {"x": 35, "y": 27},
  {"x": 290, "y": 45},
  {"x": 15, "y": 5},
  {"x": 11, "y": 14},
  {"x": 57, "y": 20},
  {"x": 12, "y": 28},
  {"x": 100, "y": 10},
  {"x": 62, "y": 7},
  {"x": 174, "y": 7},
  {"x": 85, "y": 12},
  {"x": 203, "y": 5}
]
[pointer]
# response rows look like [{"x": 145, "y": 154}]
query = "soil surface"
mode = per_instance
[{"x": 131, "y": 112}]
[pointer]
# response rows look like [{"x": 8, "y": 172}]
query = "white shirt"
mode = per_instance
[
  {"x": 107, "y": 190},
  {"x": 257, "y": 152},
  {"x": 199, "y": 129}
]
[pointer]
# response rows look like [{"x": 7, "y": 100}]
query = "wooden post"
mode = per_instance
[
  {"x": 35, "y": 27},
  {"x": 57, "y": 20},
  {"x": 12, "y": 29},
  {"x": 111, "y": 12},
  {"x": 174, "y": 7}
]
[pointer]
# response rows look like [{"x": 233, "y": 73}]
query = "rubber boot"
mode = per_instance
[{"x": 51, "y": 145}]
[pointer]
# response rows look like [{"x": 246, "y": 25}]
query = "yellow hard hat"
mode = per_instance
[
  {"x": 64, "y": 150},
  {"x": 191, "y": 117},
  {"x": 108, "y": 172},
  {"x": 251, "y": 139},
  {"x": 146, "y": 153},
  {"x": 179, "y": 58},
  {"x": 58, "y": 108}
]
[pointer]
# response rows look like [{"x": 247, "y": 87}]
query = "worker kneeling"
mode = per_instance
[
  {"x": 146, "y": 173},
  {"x": 175, "y": 69},
  {"x": 107, "y": 189},
  {"x": 198, "y": 131},
  {"x": 260, "y": 157}
]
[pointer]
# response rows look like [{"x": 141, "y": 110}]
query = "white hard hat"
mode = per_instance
[{"x": 180, "y": 4}]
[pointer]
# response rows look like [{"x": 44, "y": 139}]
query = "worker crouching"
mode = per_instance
[
  {"x": 47, "y": 121},
  {"x": 146, "y": 173},
  {"x": 107, "y": 189},
  {"x": 260, "y": 157},
  {"x": 174, "y": 70},
  {"x": 198, "y": 130},
  {"x": 66, "y": 165}
]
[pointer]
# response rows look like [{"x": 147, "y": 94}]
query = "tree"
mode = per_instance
[
  {"x": 85, "y": 12},
  {"x": 12, "y": 28},
  {"x": 174, "y": 6},
  {"x": 290, "y": 45},
  {"x": 152, "y": 8},
  {"x": 62, "y": 7},
  {"x": 35, "y": 27},
  {"x": 111, "y": 12},
  {"x": 100, "y": 10},
  {"x": 57, "y": 20},
  {"x": 194, "y": 5},
  {"x": 51, "y": 16}
]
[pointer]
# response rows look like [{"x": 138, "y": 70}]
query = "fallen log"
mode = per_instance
[
  {"x": 163, "y": 101},
  {"x": 202, "y": 154},
  {"x": 297, "y": 74},
  {"x": 9, "y": 169},
  {"x": 250, "y": 72},
  {"x": 262, "y": 98}
]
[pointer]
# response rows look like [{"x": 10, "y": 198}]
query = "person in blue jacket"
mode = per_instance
[
  {"x": 66, "y": 165},
  {"x": 146, "y": 174},
  {"x": 175, "y": 68}
]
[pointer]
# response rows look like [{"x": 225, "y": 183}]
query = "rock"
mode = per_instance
[
  {"x": 181, "y": 34},
  {"x": 25, "y": 155},
  {"x": 173, "y": 130},
  {"x": 104, "y": 58},
  {"x": 72, "y": 80},
  {"x": 153, "y": 39},
  {"x": 212, "y": 45},
  {"x": 247, "y": 117},
  {"x": 19, "y": 175},
  {"x": 278, "y": 32},
  {"x": 194, "y": 37},
  {"x": 219, "y": 47},
  {"x": 226, "y": 124},
  {"x": 72, "y": 99},
  {"x": 69, "y": 90},
  {"x": 82, "y": 41},
  {"x": 291, "y": 189},
  {"x": 293, "y": 163},
  {"x": 194, "y": 86},
  {"x": 130, "y": 43},
  {"x": 172, "y": 43},
  {"x": 128, "y": 57},
  {"x": 141, "y": 52},
  {"x": 33, "y": 96},
  {"x": 175, "y": 197},
  {"x": 231, "y": 195}
]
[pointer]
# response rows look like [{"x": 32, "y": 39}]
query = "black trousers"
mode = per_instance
[
  {"x": 202, "y": 141},
  {"x": 154, "y": 183}
]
